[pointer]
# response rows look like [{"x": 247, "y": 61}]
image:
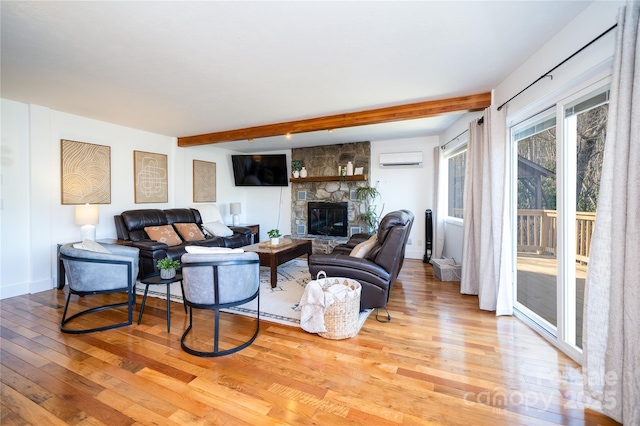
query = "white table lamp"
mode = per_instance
[
  {"x": 235, "y": 209},
  {"x": 87, "y": 216}
]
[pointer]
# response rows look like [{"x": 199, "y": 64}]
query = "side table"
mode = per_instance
[
  {"x": 255, "y": 231},
  {"x": 155, "y": 279}
]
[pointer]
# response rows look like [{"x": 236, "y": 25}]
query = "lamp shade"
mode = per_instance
[
  {"x": 236, "y": 208},
  {"x": 87, "y": 214}
]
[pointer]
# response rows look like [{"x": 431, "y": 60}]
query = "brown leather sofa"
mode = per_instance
[
  {"x": 378, "y": 270},
  {"x": 130, "y": 226}
]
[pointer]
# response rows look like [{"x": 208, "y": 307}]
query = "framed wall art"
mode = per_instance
[
  {"x": 204, "y": 181},
  {"x": 150, "y": 175},
  {"x": 85, "y": 173}
]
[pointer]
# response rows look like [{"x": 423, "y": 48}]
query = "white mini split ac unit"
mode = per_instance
[{"x": 406, "y": 159}]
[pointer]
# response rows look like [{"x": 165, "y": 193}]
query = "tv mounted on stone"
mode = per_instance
[{"x": 260, "y": 170}]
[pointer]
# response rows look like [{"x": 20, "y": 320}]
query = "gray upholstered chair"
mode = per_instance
[
  {"x": 219, "y": 281},
  {"x": 91, "y": 272}
]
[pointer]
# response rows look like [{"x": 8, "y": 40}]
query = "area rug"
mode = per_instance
[{"x": 279, "y": 304}]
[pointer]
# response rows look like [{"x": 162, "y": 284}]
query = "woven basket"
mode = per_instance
[{"x": 341, "y": 318}]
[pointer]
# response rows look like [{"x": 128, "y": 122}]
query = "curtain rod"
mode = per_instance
[
  {"x": 454, "y": 138},
  {"x": 545, "y": 75},
  {"x": 480, "y": 121}
]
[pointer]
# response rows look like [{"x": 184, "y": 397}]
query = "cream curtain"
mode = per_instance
[
  {"x": 485, "y": 246},
  {"x": 611, "y": 330},
  {"x": 439, "y": 202}
]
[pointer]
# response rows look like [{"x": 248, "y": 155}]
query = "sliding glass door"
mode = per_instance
[{"x": 557, "y": 156}]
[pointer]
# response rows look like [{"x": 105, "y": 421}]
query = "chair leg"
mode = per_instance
[
  {"x": 388, "y": 315},
  {"x": 216, "y": 351},
  {"x": 65, "y": 320}
]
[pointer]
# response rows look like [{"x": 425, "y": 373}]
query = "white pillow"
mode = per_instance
[
  {"x": 362, "y": 249},
  {"x": 212, "y": 250},
  {"x": 217, "y": 229},
  {"x": 209, "y": 213},
  {"x": 91, "y": 245}
]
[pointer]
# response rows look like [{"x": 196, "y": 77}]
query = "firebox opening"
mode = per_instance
[{"x": 330, "y": 219}]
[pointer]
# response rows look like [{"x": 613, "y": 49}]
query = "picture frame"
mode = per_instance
[
  {"x": 85, "y": 173},
  {"x": 204, "y": 181},
  {"x": 150, "y": 177}
]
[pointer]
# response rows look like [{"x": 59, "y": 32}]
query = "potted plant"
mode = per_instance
[
  {"x": 369, "y": 216},
  {"x": 296, "y": 166},
  {"x": 167, "y": 268},
  {"x": 275, "y": 235}
]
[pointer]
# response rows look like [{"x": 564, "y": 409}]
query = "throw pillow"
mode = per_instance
[
  {"x": 217, "y": 229},
  {"x": 189, "y": 231},
  {"x": 362, "y": 249},
  {"x": 164, "y": 234},
  {"x": 209, "y": 213},
  {"x": 212, "y": 250},
  {"x": 91, "y": 245}
]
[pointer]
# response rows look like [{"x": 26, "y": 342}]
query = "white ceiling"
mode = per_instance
[{"x": 184, "y": 68}]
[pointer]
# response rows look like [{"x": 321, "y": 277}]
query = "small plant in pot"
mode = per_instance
[
  {"x": 296, "y": 166},
  {"x": 275, "y": 235},
  {"x": 167, "y": 268}
]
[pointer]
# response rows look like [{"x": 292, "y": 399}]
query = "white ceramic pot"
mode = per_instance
[
  {"x": 296, "y": 173},
  {"x": 275, "y": 241},
  {"x": 166, "y": 274}
]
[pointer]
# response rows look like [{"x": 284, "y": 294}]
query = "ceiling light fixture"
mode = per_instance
[
  {"x": 250, "y": 140},
  {"x": 288, "y": 135}
]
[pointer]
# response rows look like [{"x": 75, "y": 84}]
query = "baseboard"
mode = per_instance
[{"x": 19, "y": 289}]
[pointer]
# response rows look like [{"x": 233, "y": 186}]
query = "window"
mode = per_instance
[
  {"x": 557, "y": 160},
  {"x": 456, "y": 164}
]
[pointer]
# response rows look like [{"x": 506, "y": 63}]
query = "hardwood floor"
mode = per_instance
[{"x": 440, "y": 361}]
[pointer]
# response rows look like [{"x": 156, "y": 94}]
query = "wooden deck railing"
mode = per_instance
[{"x": 537, "y": 232}]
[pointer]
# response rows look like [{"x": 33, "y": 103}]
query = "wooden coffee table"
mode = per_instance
[{"x": 272, "y": 256}]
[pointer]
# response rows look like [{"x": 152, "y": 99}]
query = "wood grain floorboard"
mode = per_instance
[{"x": 441, "y": 360}]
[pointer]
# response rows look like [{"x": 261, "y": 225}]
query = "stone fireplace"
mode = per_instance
[{"x": 324, "y": 185}]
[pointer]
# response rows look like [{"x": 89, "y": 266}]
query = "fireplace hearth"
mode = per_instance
[{"x": 325, "y": 218}]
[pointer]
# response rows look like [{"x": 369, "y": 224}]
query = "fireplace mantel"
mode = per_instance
[{"x": 329, "y": 178}]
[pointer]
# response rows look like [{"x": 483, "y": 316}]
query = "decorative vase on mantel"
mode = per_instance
[
  {"x": 296, "y": 174},
  {"x": 303, "y": 172}
]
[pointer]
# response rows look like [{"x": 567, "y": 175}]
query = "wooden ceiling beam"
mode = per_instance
[{"x": 373, "y": 116}]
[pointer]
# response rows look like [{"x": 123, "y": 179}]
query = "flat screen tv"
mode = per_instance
[{"x": 260, "y": 170}]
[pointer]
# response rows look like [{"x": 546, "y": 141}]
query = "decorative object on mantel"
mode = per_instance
[
  {"x": 303, "y": 172},
  {"x": 296, "y": 166},
  {"x": 358, "y": 170},
  {"x": 330, "y": 178},
  {"x": 275, "y": 235},
  {"x": 167, "y": 268},
  {"x": 349, "y": 169}
]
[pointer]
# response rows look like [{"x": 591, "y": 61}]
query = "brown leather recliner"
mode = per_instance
[{"x": 378, "y": 270}]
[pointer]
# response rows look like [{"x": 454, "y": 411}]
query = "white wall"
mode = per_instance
[
  {"x": 408, "y": 188},
  {"x": 33, "y": 220}
]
